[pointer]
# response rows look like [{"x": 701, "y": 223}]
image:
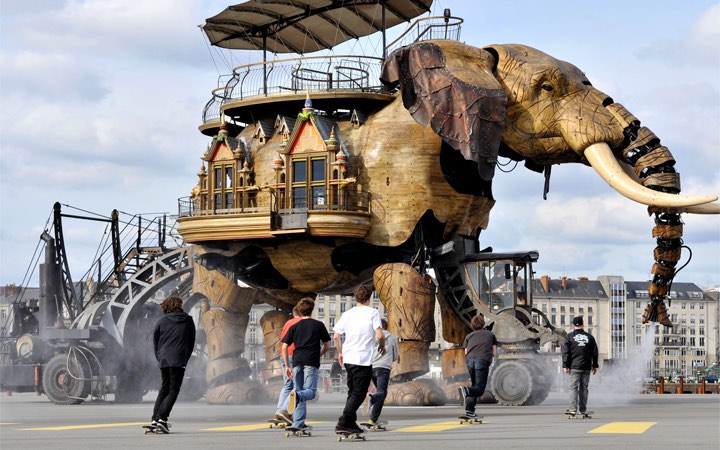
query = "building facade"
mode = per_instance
[{"x": 613, "y": 308}]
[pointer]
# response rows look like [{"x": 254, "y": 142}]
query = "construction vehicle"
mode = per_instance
[{"x": 500, "y": 286}]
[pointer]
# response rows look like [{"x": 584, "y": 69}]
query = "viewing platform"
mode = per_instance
[{"x": 331, "y": 80}]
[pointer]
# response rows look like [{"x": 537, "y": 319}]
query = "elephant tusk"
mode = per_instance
[
  {"x": 707, "y": 208},
  {"x": 601, "y": 159}
]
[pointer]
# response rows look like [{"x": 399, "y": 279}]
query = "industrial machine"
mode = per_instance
[{"x": 89, "y": 339}]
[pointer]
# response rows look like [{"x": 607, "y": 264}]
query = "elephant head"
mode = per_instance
[{"x": 518, "y": 102}]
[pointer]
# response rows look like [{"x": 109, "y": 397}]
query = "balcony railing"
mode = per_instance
[{"x": 267, "y": 202}]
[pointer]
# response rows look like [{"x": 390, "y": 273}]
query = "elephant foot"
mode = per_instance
[
  {"x": 453, "y": 395},
  {"x": 422, "y": 392},
  {"x": 237, "y": 393}
]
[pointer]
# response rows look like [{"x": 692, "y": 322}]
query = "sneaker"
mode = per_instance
[
  {"x": 162, "y": 425},
  {"x": 570, "y": 411},
  {"x": 366, "y": 405},
  {"x": 471, "y": 414},
  {"x": 292, "y": 401},
  {"x": 348, "y": 429},
  {"x": 463, "y": 393}
]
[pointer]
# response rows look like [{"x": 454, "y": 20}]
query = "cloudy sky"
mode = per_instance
[{"x": 101, "y": 100}]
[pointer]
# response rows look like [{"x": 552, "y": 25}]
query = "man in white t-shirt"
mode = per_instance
[{"x": 362, "y": 329}]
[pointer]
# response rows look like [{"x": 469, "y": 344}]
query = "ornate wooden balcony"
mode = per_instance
[{"x": 264, "y": 214}]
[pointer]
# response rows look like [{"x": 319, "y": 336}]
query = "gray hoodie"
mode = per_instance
[{"x": 391, "y": 352}]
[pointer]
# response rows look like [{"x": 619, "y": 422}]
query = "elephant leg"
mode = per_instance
[
  {"x": 271, "y": 323},
  {"x": 454, "y": 331},
  {"x": 225, "y": 318},
  {"x": 409, "y": 301}
]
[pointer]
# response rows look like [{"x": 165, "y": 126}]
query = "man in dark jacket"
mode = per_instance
[
  {"x": 579, "y": 357},
  {"x": 173, "y": 340}
]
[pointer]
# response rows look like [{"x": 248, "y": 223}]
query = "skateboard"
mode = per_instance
[
  {"x": 298, "y": 432},
  {"x": 471, "y": 420},
  {"x": 349, "y": 435},
  {"x": 150, "y": 428},
  {"x": 379, "y": 426},
  {"x": 279, "y": 423},
  {"x": 586, "y": 415}
]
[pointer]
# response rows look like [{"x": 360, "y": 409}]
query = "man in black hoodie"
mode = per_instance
[
  {"x": 579, "y": 357},
  {"x": 173, "y": 340}
]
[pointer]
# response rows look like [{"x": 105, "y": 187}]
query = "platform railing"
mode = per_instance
[
  {"x": 325, "y": 73},
  {"x": 427, "y": 28}
]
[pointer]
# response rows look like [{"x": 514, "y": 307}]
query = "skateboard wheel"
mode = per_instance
[
  {"x": 287, "y": 434},
  {"x": 339, "y": 438}
]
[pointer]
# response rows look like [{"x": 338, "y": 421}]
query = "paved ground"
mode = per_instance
[{"x": 28, "y": 422}]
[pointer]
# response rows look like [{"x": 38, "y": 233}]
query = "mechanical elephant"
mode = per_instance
[{"x": 517, "y": 102}]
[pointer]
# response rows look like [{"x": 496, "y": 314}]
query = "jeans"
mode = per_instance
[
  {"x": 288, "y": 385},
  {"x": 358, "y": 381},
  {"x": 380, "y": 378},
  {"x": 478, "y": 370},
  {"x": 172, "y": 378},
  {"x": 305, "y": 379},
  {"x": 579, "y": 381}
]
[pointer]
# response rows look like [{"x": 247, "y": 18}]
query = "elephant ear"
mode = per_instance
[{"x": 451, "y": 86}]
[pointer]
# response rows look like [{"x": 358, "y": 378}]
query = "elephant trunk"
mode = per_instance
[{"x": 653, "y": 164}]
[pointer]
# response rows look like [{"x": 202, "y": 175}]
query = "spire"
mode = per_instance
[
  {"x": 331, "y": 143},
  {"x": 308, "y": 103}
]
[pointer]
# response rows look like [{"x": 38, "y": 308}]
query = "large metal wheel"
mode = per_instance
[
  {"x": 512, "y": 382},
  {"x": 542, "y": 381},
  {"x": 66, "y": 380}
]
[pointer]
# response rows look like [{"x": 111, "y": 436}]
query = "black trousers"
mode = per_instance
[
  {"x": 358, "y": 381},
  {"x": 172, "y": 378}
]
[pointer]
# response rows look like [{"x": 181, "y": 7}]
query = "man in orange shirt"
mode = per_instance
[{"x": 281, "y": 412}]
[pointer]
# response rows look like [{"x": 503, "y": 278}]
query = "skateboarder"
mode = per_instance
[
  {"x": 579, "y": 359},
  {"x": 281, "y": 412},
  {"x": 307, "y": 335},
  {"x": 381, "y": 366},
  {"x": 363, "y": 331},
  {"x": 173, "y": 341},
  {"x": 480, "y": 348}
]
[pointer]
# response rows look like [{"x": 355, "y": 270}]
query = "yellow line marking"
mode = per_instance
[
  {"x": 9, "y": 423},
  {"x": 624, "y": 427},
  {"x": 82, "y": 427},
  {"x": 430, "y": 427},
  {"x": 249, "y": 427}
]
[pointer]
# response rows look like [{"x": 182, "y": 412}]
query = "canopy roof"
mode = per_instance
[{"x": 305, "y": 26}]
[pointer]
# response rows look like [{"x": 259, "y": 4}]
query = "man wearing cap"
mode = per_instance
[{"x": 579, "y": 358}]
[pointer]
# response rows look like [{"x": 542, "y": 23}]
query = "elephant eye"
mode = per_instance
[{"x": 547, "y": 87}]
